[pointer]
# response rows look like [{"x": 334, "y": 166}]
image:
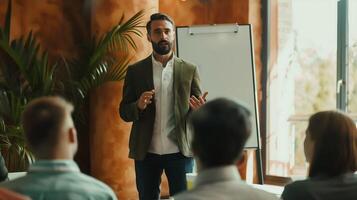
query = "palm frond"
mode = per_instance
[
  {"x": 118, "y": 71},
  {"x": 11, "y": 107},
  {"x": 105, "y": 72},
  {"x": 118, "y": 37},
  {"x": 33, "y": 73},
  {"x": 98, "y": 64},
  {"x": 43, "y": 73}
]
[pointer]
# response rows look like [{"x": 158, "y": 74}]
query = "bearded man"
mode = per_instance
[{"x": 159, "y": 93}]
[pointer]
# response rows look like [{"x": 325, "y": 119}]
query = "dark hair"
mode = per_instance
[
  {"x": 158, "y": 16},
  {"x": 334, "y": 135},
  {"x": 43, "y": 119},
  {"x": 220, "y": 129}
]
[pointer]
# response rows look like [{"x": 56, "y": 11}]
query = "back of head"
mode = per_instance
[
  {"x": 220, "y": 129},
  {"x": 43, "y": 121},
  {"x": 334, "y": 136}
]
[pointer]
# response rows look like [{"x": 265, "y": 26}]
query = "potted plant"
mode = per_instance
[{"x": 26, "y": 73}]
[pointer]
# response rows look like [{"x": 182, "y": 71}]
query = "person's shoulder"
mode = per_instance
[
  {"x": 225, "y": 190},
  {"x": 185, "y": 62},
  {"x": 261, "y": 194},
  {"x": 190, "y": 195},
  {"x": 296, "y": 189},
  {"x": 298, "y": 184},
  {"x": 92, "y": 181},
  {"x": 351, "y": 178},
  {"x": 96, "y": 185},
  {"x": 139, "y": 64},
  {"x": 253, "y": 193},
  {"x": 203, "y": 192},
  {"x": 7, "y": 184},
  {"x": 73, "y": 183},
  {"x": 18, "y": 182}
]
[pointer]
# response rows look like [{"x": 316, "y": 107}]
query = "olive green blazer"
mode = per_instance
[{"x": 139, "y": 78}]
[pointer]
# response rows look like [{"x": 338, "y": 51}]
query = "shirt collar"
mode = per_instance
[
  {"x": 157, "y": 63},
  {"x": 217, "y": 174},
  {"x": 54, "y": 166}
]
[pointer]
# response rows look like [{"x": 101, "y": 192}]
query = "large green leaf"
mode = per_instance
[
  {"x": 118, "y": 38},
  {"x": 100, "y": 50}
]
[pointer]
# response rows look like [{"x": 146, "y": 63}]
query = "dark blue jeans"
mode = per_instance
[{"x": 149, "y": 171}]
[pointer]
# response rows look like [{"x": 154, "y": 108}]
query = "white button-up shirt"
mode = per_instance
[{"x": 164, "y": 102}]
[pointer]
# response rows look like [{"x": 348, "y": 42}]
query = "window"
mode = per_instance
[{"x": 302, "y": 75}]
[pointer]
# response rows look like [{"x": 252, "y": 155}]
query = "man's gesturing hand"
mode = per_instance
[
  {"x": 195, "y": 103},
  {"x": 145, "y": 99}
]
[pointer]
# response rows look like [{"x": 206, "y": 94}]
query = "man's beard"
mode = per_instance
[{"x": 163, "y": 47}]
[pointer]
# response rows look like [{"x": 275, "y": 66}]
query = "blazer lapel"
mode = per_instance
[{"x": 177, "y": 77}]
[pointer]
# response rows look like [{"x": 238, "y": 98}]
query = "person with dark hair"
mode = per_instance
[
  {"x": 220, "y": 130},
  {"x": 159, "y": 93},
  {"x": 52, "y": 137},
  {"x": 331, "y": 149},
  {"x": 3, "y": 169}
]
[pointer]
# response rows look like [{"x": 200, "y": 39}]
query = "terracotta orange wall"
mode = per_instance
[
  {"x": 59, "y": 25},
  {"x": 109, "y": 134},
  {"x": 193, "y": 12}
]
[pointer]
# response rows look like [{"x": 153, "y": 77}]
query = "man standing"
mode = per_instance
[
  {"x": 220, "y": 129},
  {"x": 158, "y": 94},
  {"x": 52, "y": 137}
]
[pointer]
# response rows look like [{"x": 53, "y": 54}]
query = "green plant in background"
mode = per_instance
[
  {"x": 102, "y": 59},
  {"x": 25, "y": 74}
]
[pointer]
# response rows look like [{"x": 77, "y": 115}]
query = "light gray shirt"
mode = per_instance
[
  {"x": 223, "y": 183},
  {"x": 59, "y": 180}
]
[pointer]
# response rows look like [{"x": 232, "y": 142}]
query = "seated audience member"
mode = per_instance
[
  {"x": 3, "y": 169},
  {"x": 52, "y": 137},
  {"x": 330, "y": 148},
  {"x": 220, "y": 130},
  {"x": 10, "y": 195}
]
